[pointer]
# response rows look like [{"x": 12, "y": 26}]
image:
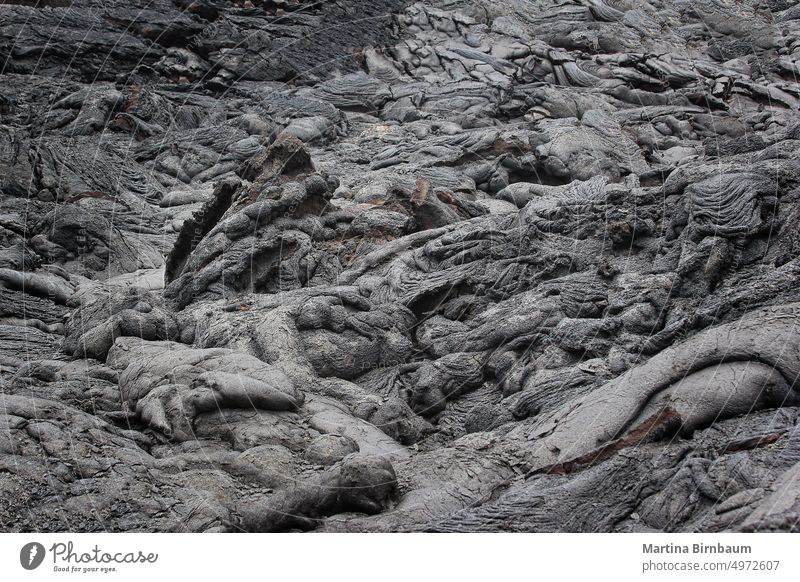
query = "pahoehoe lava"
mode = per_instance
[{"x": 378, "y": 266}]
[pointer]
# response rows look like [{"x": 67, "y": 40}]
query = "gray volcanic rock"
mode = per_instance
[{"x": 373, "y": 266}]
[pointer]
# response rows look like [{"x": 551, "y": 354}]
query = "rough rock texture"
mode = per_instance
[{"x": 445, "y": 265}]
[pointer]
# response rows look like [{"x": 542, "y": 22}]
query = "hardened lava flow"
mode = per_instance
[{"x": 446, "y": 265}]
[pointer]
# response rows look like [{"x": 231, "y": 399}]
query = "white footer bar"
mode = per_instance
[{"x": 378, "y": 557}]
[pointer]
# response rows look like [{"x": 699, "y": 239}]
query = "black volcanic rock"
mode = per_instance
[{"x": 445, "y": 265}]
